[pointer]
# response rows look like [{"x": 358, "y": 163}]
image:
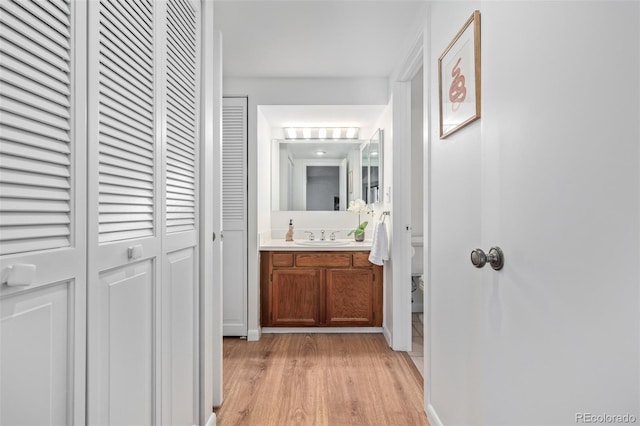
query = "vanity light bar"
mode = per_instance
[{"x": 321, "y": 132}]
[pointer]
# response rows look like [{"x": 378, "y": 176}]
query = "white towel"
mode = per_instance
[{"x": 380, "y": 247}]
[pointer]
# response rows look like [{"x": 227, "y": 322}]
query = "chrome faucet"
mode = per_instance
[
  {"x": 333, "y": 235},
  {"x": 311, "y": 236},
  {"x": 322, "y": 235}
]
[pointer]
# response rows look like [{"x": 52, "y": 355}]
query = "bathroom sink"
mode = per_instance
[{"x": 325, "y": 243}]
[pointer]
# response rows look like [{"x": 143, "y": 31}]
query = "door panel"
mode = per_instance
[
  {"x": 36, "y": 349},
  {"x": 42, "y": 212},
  {"x": 234, "y": 308},
  {"x": 550, "y": 175},
  {"x": 180, "y": 315},
  {"x": 561, "y": 181},
  {"x": 234, "y": 215},
  {"x": 124, "y": 211},
  {"x": 295, "y": 297},
  {"x": 350, "y": 297},
  {"x": 126, "y": 313}
]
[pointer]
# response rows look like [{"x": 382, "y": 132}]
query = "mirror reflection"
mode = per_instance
[
  {"x": 371, "y": 160},
  {"x": 315, "y": 175},
  {"x": 325, "y": 175}
]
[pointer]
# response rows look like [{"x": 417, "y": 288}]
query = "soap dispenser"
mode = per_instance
[{"x": 289, "y": 234}]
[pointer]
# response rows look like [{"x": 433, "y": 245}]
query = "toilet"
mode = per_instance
[{"x": 417, "y": 270}]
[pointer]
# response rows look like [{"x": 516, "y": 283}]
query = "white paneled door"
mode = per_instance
[
  {"x": 42, "y": 213},
  {"x": 234, "y": 215},
  {"x": 143, "y": 181},
  {"x": 550, "y": 175}
]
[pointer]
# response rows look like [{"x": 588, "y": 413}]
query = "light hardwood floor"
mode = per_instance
[{"x": 319, "y": 379}]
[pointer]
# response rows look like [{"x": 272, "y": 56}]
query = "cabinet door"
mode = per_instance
[
  {"x": 295, "y": 296},
  {"x": 350, "y": 297}
]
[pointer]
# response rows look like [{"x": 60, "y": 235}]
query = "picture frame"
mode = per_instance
[{"x": 459, "y": 79}]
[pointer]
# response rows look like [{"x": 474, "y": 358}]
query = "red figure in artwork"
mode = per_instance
[{"x": 457, "y": 90}]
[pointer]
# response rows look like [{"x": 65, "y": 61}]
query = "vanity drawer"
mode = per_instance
[
  {"x": 361, "y": 260},
  {"x": 282, "y": 259},
  {"x": 323, "y": 259}
]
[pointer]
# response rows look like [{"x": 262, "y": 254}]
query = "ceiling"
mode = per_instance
[{"x": 315, "y": 39}]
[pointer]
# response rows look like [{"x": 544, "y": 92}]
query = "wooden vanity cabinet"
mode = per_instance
[{"x": 320, "y": 289}]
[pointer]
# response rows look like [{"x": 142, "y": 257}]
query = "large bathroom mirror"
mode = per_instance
[
  {"x": 315, "y": 175},
  {"x": 371, "y": 162}
]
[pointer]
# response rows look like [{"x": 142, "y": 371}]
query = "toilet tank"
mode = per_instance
[{"x": 417, "y": 267}]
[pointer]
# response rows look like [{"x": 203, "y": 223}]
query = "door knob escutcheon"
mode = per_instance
[{"x": 495, "y": 258}]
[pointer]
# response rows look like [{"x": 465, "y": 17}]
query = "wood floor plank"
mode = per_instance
[{"x": 319, "y": 379}]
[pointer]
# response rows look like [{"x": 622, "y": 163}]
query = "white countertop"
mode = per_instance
[{"x": 281, "y": 245}]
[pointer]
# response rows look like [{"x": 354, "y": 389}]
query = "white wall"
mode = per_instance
[{"x": 284, "y": 91}]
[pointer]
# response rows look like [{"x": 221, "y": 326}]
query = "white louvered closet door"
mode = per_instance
[
  {"x": 42, "y": 213},
  {"x": 234, "y": 215},
  {"x": 125, "y": 213},
  {"x": 143, "y": 212},
  {"x": 180, "y": 307}
]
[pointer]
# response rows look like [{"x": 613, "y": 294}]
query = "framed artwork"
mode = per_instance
[{"x": 459, "y": 78}]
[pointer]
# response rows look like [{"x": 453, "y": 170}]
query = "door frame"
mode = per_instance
[
  {"x": 401, "y": 223},
  {"x": 417, "y": 58},
  {"x": 210, "y": 220}
]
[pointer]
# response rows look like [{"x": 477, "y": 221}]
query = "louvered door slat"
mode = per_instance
[
  {"x": 32, "y": 48},
  {"x": 182, "y": 103},
  {"x": 106, "y": 169},
  {"x": 126, "y": 165},
  {"x": 183, "y": 30},
  {"x": 126, "y": 34},
  {"x": 126, "y": 122},
  {"x": 32, "y": 113},
  {"x": 180, "y": 153},
  {"x": 234, "y": 184},
  {"x": 127, "y": 151},
  {"x": 34, "y": 218},
  {"x": 181, "y": 128},
  {"x": 32, "y": 9},
  {"x": 137, "y": 29},
  {"x": 62, "y": 5},
  {"x": 50, "y": 40},
  {"x": 38, "y": 71},
  {"x": 117, "y": 98},
  {"x": 33, "y": 179},
  {"x": 12, "y": 92},
  {"x": 117, "y": 54},
  {"x": 111, "y": 78},
  {"x": 181, "y": 117},
  {"x": 124, "y": 217},
  {"x": 37, "y": 167},
  {"x": 35, "y": 153},
  {"x": 54, "y": 12},
  {"x": 130, "y": 128},
  {"x": 23, "y": 82}
]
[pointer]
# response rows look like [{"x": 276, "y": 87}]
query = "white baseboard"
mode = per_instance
[
  {"x": 212, "y": 420},
  {"x": 387, "y": 336},
  {"x": 253, "y": 335},
  {"x": 275, "y": 330},
  {"x": 432, "y": 416}
]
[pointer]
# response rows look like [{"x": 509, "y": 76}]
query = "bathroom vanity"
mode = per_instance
[{"x": 319, "y": 287}]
